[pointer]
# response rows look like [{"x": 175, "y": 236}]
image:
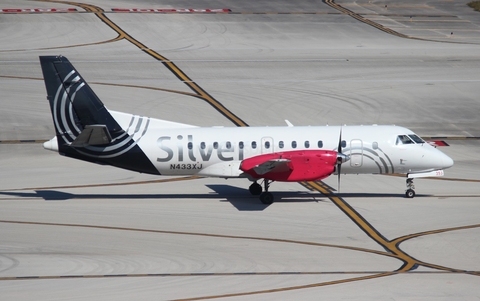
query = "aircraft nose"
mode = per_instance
[{"x": 447, "y": 161}]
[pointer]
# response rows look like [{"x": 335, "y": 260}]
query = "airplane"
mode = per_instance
[{"x": 87, "y": 130}]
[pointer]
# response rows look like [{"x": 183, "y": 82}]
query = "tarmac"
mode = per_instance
[{"x": 79, "y": 231}]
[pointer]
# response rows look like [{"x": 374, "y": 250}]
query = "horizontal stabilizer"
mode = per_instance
[
  {"x": 96, "y": 134},
  {"x": 436, "y": 143}
]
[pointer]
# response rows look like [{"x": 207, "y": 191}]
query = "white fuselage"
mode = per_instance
[{"x": 179, "y": 149}]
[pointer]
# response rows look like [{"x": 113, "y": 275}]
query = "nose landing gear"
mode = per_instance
[{"x": 410, "y": 192}]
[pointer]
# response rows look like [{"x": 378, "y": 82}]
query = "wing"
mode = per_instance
[{"x": 291, "y": 166}]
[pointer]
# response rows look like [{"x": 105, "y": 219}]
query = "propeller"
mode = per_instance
[{"x": 341, "y": 158}]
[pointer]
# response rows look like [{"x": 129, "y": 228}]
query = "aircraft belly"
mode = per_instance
[{"x": 222, "y": 170}]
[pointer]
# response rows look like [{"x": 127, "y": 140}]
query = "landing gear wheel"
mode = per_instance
[
  {"x": 410, "y": 193},
  {"x": 255, "y": 188},
  {"x": 266, "y": 198}
]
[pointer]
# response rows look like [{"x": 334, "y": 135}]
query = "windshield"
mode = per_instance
[
  {"x": 403, "y": 139},
  {"x": 408, "y": 139},
  {"x": 416, "y": 139}
]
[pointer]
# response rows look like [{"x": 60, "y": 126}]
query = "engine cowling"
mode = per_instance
[{"x": 292, "y": 166}]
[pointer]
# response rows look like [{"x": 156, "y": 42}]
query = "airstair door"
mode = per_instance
[{"x": 356, "y": 153}]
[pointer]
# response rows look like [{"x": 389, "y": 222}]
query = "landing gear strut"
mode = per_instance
[
  {"x": 266, "y": 197},
  {"x": 410, "y": 192}
]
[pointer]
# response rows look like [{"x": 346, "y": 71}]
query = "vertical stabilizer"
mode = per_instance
[
  {"x": 73, "y": 103},
  {"x": 84, "y": 127}
]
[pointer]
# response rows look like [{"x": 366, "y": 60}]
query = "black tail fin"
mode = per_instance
[
  {"x": 85, "y": 129},
  {"x": 73, "y": 103}
]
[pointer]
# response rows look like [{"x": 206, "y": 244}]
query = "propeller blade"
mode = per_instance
[
  {"x": 339, "y": 160},
  {"x": 339, "y": 168},
  {"x": 339, "y": 148}
]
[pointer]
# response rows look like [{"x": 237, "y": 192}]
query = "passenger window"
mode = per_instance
[
  {"x": 202, "y": 145},
  {"x": 190, "y": 145},
  {"x": 375, "y": 145},
  {"x": 294, "y": 144},
  {"x": 240, "y": 144},
  {"x": 280, "y": 144},
  {"x": 320, "y": 144},
  {"x": 307, "y": 144},
  {"x": 267, "y": 144},
  {"x": 215, "y": 145},
  {"x": 344, "y": 143},
  {"x": 254, "y": 144},
  {"x": 228, "y": 145}
]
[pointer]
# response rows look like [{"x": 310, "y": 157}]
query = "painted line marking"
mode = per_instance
[
  {"x": 225, "y": 236},
  {"x": 365, "y": 226},
  {"x": 171, "y": 10},
  {"x": 37, "y": 10},
  {"x": 202, "y": 94},
  {"x": 213, "y": 274},
  {"x": 21, "y": 141},
  {"x": 410, "y": 263},
  {"x": 385, "y": 29},
  {"x": 108, "y": 184}
]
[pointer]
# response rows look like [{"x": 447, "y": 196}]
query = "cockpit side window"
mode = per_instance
[
  {"x": 416, "y": 139},
  {"x": 403, "y": 139}
]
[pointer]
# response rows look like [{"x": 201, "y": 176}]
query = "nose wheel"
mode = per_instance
[{"x": 410, "y": 192}]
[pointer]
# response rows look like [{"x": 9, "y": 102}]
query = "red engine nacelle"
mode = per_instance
[{"x": 293, "y": 166}]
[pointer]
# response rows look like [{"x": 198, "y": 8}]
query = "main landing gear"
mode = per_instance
[
  {"x": 265, "y": 197},
  {"x": 410, "y": 192},
  {"x": 255, "y": 188}
]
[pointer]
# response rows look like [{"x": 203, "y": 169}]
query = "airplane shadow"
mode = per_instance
[
  {"x": 375, "y": 195},
  {"x": 240, "y": 198},
  {"x": 54, "y": 195}
]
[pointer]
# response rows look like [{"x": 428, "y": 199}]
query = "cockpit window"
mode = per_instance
[
  {"x": 409, "y": 139},
  {"x": 403, "y": 139},
  {"x": 416, "y": 139}
]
